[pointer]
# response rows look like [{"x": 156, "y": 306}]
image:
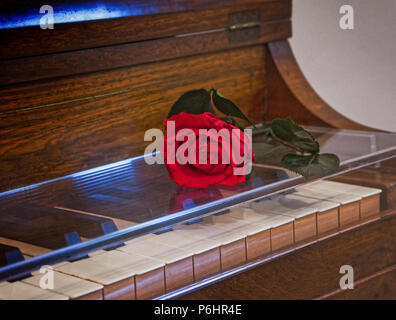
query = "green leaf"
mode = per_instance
[
  {"x": 288, "y": 130},
  {"x": 228, "y": 107},
  {"x": 194, "y": 102},
  {"x": 270, "y": 153},
  {"x": 313, "y": 165}
]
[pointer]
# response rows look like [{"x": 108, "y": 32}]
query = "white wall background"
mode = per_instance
[{"x": 352, "y": 70}]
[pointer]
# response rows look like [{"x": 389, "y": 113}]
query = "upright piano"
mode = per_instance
[{"x": 79, "y": 202}]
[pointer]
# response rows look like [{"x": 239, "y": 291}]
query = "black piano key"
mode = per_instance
[
  {"x": 74, "y": 238},
  {"x": 10, "y": 255},
  {"x": 189, "y": 204},
  {"x": 109, "y": 227},
  {"x": 163, "y": 230}
]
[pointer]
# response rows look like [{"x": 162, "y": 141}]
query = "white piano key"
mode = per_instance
[
  {"x": 263, "y": 219},
  {"x": 350, "y": 204},
  {"x": 141, "y": 238},
  {"x": 327, "y": 195},
  {"x": 67, "y": 285},
  {"x": 23, "y": 291},
  {"x": 184, "y": 240},
  {"x": 344, "y": 187},
  {"x": 179, "y": 270},
  {"x": 110, "y": 267},
  {"x": 208, "y": 230},
  {"x": 232, "y": 243},
  {"x": 205, "y": 253},
  {"x": 247, "y": 221},
  {"x": 155, "y": 250},
  {"x": 263, "y": 224},
  {"x": 293, "y": 205},
  {"x": 235, "y": 225},
  {"x": 124, "y": 276},
  {"x": 284, "y": 205}
]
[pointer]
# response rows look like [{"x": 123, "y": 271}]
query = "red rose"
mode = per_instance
[{"x": 202, "y": 170}]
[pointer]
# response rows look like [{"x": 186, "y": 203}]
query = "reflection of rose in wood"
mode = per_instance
[{"x": 185, "y": 198}]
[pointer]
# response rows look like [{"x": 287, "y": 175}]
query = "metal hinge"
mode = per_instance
[{"x": 244, "y": 26}]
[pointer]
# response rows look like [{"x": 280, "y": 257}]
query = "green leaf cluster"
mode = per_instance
[{"x": 299, "y": 152}]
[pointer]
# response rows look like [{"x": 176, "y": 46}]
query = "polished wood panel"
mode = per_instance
[
  {"x": 164, "y": 20},
  {"x": 85, "y": 61},
  {"x": 381, "y": 286},
  {"x": 66, "y": 136},
  {"x": 166, "y": 76}
]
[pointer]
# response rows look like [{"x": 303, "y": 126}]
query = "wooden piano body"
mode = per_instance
[{"x": 83, "y": 94}]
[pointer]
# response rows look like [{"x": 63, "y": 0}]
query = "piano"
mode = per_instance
[{"x": 79, "y": 203}]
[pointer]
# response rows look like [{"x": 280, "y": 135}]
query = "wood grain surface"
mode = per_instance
[
  {"x": 380, "y": 286},
  {"x": 130, "y": 54},
  {"x": 64, "y": 126},
  {"x": 154, "y": 20}
]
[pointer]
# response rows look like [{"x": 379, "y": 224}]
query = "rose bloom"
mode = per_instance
[{"x": 198, "y": 174}]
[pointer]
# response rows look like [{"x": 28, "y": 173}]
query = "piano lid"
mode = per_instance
[
  {"x": 27, "y": 13},
  {"x": 127, "y": 199}
]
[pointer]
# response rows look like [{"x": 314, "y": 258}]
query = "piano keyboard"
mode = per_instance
[{"x": 155, "y": 264}]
